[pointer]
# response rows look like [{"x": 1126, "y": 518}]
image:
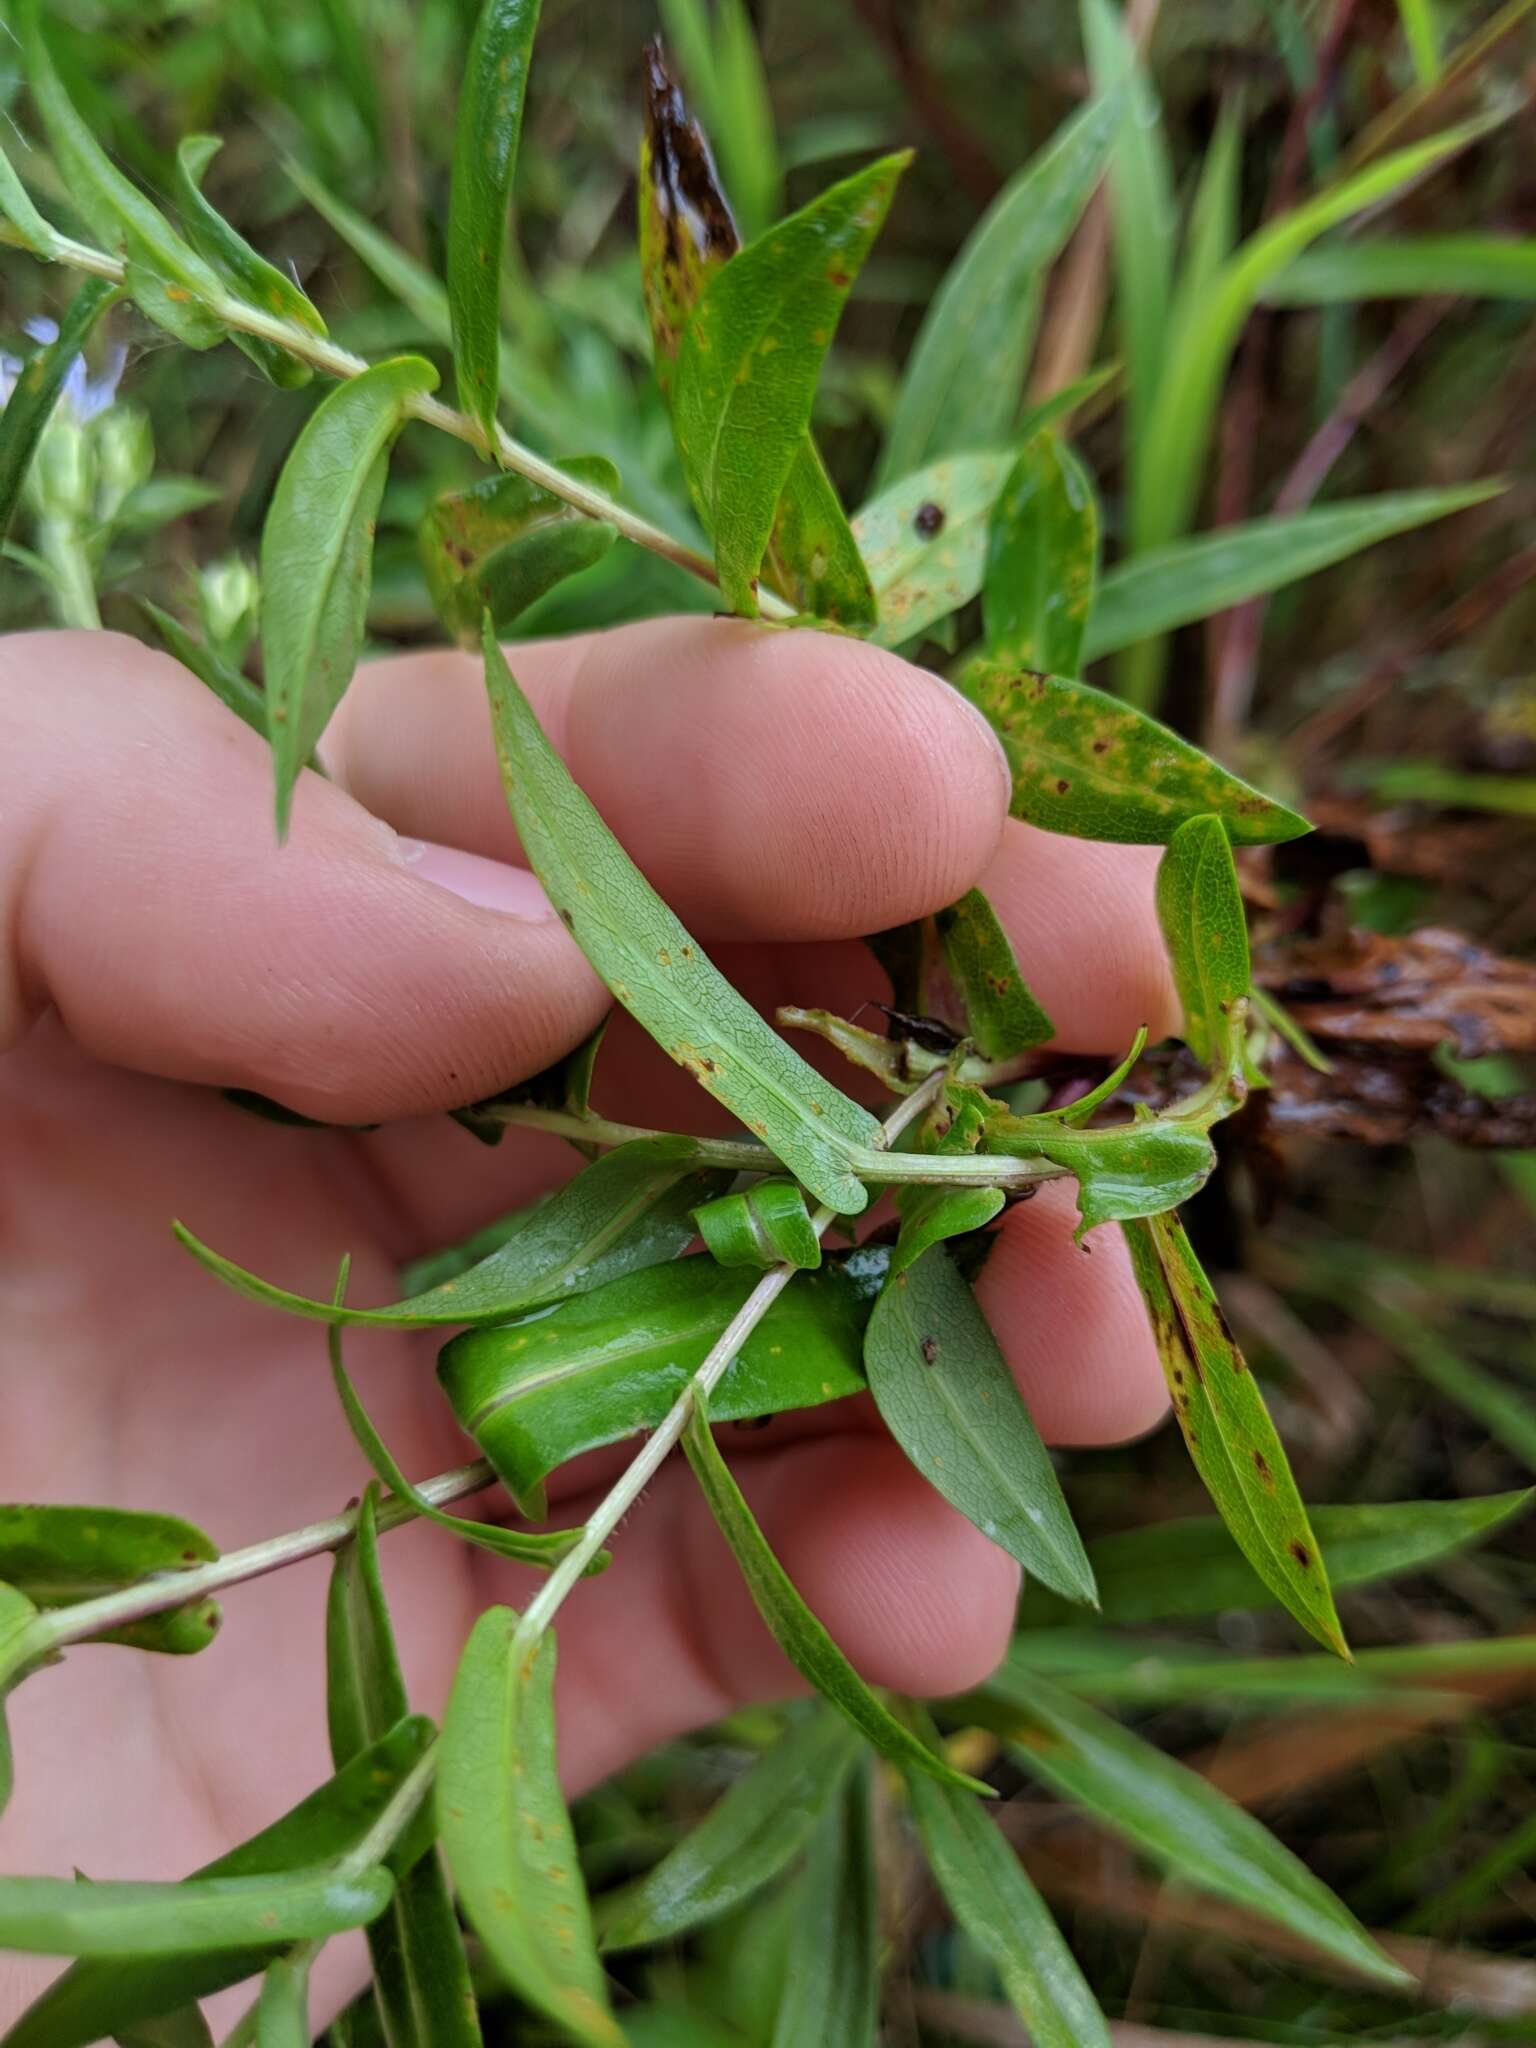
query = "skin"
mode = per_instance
[{"x": 785, "y": 791}]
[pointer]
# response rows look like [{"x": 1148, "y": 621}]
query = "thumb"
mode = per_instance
[{"x": 352, "y": 975}]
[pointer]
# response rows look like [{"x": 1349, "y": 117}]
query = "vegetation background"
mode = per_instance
[{"x": 1372, "y": 1235}]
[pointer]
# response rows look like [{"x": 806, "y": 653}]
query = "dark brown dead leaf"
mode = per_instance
[{"x": 1405, "y": 994}]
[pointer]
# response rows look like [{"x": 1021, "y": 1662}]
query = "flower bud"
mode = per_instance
[
  {"x": 228, "y": 595},
  {"x": 125, "y": 448},
  {"x": 62, "y": 483}
]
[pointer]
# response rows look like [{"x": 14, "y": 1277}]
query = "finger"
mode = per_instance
[
  {"x": 771, "y": 784},
  {"x": 1070, "y": 1319},
  {"x": 1083, "y": 920},
  {"x": 349, "y": 974}
]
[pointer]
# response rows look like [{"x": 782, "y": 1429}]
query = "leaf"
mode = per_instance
[
  {"x": 504, "y": 542},
  {"x": 254, "y": 279},
  {"x": 233, "y": 690},
  {"x": 17, "y": 1614},
  {"x": 1408, "y": 267},
  {"x": 630, "y": 1209},
  {"x": 1042, "y": 560},
  {"x": 54, "y": 1916},
  {"x": 1195, "y": 578},
  {"x": 184, "y": 2029},
  {"x": 16, "y": 207},
  {"x": 1000, "y": 1013},
  {"x": 749, "y": 361},
  {"x": 995, "y": 1903},
  {"x": 611, "y": 1363},
  {"x": 924, "y": 541},
  {"x": 1172, "y": 1569},
  {"x": 961, "y": 386},
  {"x": 421, "y": 1981},
  {"x": 96, "y": 1997},
  {"x": 1123, "y": 1170},
  {"x": 166, "y": 278},
  {"x": 1190, "y": 1829},
  {"x": 1087, "y": 764},
  {"x": 659, "y": 972},
  {"x": 1200, "y": 908},
  {"x": 832, "y": 1964},
  {"x": 796, "y": 1630},
  {"x": 507, "y": 1833},
  {"x": 1231, "y": 1439},
  {"x": 765, "y": 1225},
  {"x": 32, "y": 398},
  {"x": 282, "y": 2012},
  {"x": 750, "y": 1835},
  {"x": 946, "y": 1394},
  {"x": 317, "y": 555},
  {"x": 57, "y": 1556},
  {"x": 930, "y": 1215},
  {"x": 489, "y": 124}
]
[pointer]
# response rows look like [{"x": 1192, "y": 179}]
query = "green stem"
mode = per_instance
[{"x": 73, "y": 586}]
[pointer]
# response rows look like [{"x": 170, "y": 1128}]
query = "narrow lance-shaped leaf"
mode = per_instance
[
  {"x": 761, "y": 1227},
  {"x": 593, "y": 1371},
  {"x": 1000, "y": 1013},
  {"x": 17, "y": 1615},
  {"x": 1408, "y": 267},
  {"x": 1166, "y": 1810},
  {"x": 1086, "y": 764},
  {"x": 317, "y": 556},
  {"x": 631, "y": 1208},
  {"x": 421, "y": 1981},
  {"x": 54, "y": 1916},
  {"x": 751, "y": 1834},
  {"x": 233, "y": 690},
  {"x": 254, "y": 279},
  {"x": 168, "y": 280},
  {"x": 659, "y": 972},
  {"x": 1123, "y": 1170},
  {"x": 1231, "y": 1438},
  {"x": 749, "y": 361},
  {"x": 97, "y": 1996},
  {"x": 831, "y": 1989},
  {"x": 16, "y": 207},
  {"x": 57, "y": 1556},
  {"x": 29, "y": 405},
  {"x": 798, "y": 1633},
  {"x": 503, "y": 543},
  {"x": 282, "y": 2011},
  {"x": 924, "y": 540},
  {"x": 963, "y": 379},
  {"x": 944, "y": 1389},
  {"x": 1042, "y": 560},
  {"x": 507, "y": 1833},
  {"x": 1200, "y": 909},
  {"x": 490, "y": 120}
]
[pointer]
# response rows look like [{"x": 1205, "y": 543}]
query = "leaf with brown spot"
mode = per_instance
[
  {"x": 1205, "y": 928},
  {"x": 1000, "y": 1013},
  {"x": 1042, "y": 560},
  {"x": 1234, "y": 1444}
]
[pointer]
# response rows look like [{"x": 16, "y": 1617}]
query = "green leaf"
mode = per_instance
[
  {"x": 317, "y": 555},
  {"x": 1000, "y": 1013},
  {"x": 57, "y": 1556},
  {"x": 1191, "y": 1566},
  {"x": 925, "y": 541},
  {"x": 507, "y": 1833},
  {"x": 254, "y": 279},
  {"x": 1231, "y": 1439},
  {"x": 796, "y": 1630},
  {"x": 749, "y": 360},
  {"x": 54, "y": 1916},
  {"x": 1200, "y": 908},
  {"x": 29, "y": 406},
  {"x": 233, "y": 690},
  {"x": 659, "y": 972},
  {"x": 1190, "y": 1829},
  {"x": 611, "y": 1363},
  {"x": 1207, "y": 573},
  {"x": 930, "y": 1215},
  {"x": 762, "y": 1226},
  {"x": 1042, "y": 560},
  {"x": 490, "y": 120},
  {"x": 630, "y": 1209},
  {"x": 421, "y": 1980},
  {"x": 17, "y": 1615},
  {"x": 16, "y": 207},
  {"x": 282, "y": 2012},
  {"x": 1408, "y": 267},
  {"x": 97, "y": 1996},
  {"x": 961, "y": 386},
  {"x": 504, "y": 542},
  {"x": 831, "y": 1990},
  {"x": 994, "y": 1901},
  {"x": 1087, "y": 764},
  {"x": 166, "y": 278},
  {"x": 746, "y": 1839},
  {"x": 184, "y": 2029},
  {"x": 1122, "y": 1171},
  {"x": 946, "y": 1394}
]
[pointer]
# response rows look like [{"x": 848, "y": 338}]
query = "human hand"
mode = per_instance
[{"x": 784, "y": 792}]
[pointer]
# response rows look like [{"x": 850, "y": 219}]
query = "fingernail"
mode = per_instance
[
  {"x": 491, "y": 884},
  {"x": 1000, "y": 752}
]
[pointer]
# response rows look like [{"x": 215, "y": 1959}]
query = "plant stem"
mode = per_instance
[
  {"x": 621, "y": 1497},
  {"x": 60, "y": 544},
  {"x": 325, "y": 355}
]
